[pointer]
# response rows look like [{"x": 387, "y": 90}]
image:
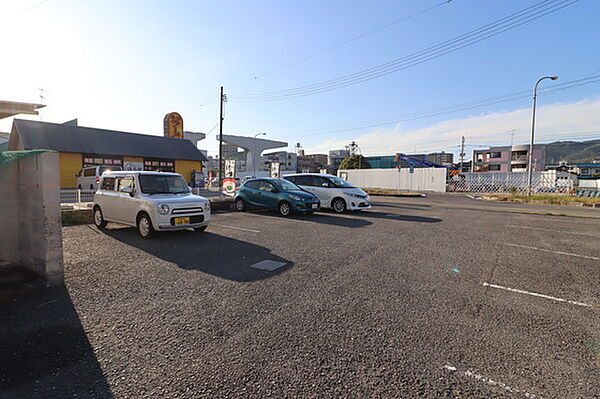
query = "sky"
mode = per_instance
[{"x": 124, "y": 64}]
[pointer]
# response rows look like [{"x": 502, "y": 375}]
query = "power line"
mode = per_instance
[
  {"x": 452, "y": 109},
  {"x": 362, "y": 35},
  {"x": 485, "y": 32}
]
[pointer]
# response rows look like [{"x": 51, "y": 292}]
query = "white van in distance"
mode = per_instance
[
  {"x": 150, "y": 201},
  {"x": 89, "y": 178},
  {"x": 334, "y": 192}
]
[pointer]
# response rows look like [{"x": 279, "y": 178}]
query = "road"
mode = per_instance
[{"x": 443, "y": 296}]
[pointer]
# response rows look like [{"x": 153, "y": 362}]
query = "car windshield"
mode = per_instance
[
  {"x": 341, "y": 183},
  {"x": 163, "y": 184},
  {"x": 287, "y": 185}
]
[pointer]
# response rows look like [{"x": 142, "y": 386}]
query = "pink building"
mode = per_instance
[{"x": 508, "y": 159}]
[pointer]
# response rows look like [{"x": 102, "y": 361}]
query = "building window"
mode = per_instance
[
  {"x": 94, "y": 160},
  {"x": 495, "y": 155},
  {"x": 494, "y": 168},
  {"x": 159, "y": 165}
]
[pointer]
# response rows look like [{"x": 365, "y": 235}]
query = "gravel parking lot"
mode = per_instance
[{"x": 443, "y": 296}]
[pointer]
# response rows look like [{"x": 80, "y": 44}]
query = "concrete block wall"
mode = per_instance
[
  {"x": 30, "y": 187},
  {"x": 422, "y": 179}
]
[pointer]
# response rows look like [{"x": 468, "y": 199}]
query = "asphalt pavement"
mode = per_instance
[{"x": 438, "y": 296}]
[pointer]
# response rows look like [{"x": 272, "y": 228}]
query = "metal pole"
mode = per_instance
[
  {"x": 221, "y": 141},
  {"x": 530, "y": 152}
]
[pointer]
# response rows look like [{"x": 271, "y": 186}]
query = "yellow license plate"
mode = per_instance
[{"x": 180, "y": 221}]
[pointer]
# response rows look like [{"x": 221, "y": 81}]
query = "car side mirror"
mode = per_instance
[{"x": 127, "y": 190}]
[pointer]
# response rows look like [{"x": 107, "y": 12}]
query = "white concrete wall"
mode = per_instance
[
  {"x": 422, "y": 179},
  {"x": 30, "y": 188},
  {"x": 9, "y": 207},
  {"x": 589, "y": 183}
]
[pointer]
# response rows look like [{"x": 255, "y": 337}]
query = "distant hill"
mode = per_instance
[{"x": 572, "y": 151}]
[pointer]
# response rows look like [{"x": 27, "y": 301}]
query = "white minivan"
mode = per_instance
[
  {"x": 89, "y": 177},
  {"x": 334, "y": 192},
  {"x": 150, "y": 201}
]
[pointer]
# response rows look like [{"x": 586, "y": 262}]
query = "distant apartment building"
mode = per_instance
[
  {"x": 387, "y": 161},
  {"x": 509, "y": 159},
  {"x": 335, "y": 158},
  {"x": 312, "y": 163},
  {"x": 288, "y": 161}
]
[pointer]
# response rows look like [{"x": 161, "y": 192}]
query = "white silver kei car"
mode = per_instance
[
  {"x": 150, "y": 201},
  {"x": 334, "y": 192}
]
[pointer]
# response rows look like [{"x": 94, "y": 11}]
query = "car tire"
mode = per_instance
[
  {"x": 285, "y": 208},
  {"x": 144, "y": 226},
  {"x": 203, "y": 228},
  {"x": 309, "y": 212},
  {"x": 99, "y": 221},
  {"x": 240, "y": 205},
  {"x": 339, "y": 205}
]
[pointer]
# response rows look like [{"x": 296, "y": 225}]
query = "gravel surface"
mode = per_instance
[{"x": 388, "y": 302}]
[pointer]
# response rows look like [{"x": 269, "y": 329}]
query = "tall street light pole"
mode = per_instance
[
  {"x": 530, "y": 152},
  {"x": 254, "y": 152},
  {"x": 222, "y": 99}
]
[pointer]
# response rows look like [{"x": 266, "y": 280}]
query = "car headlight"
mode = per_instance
[
  {"x": 207, "y": 206},
  {"x": 351, "y": 195},
  {"x": 163, "y": 209},
  {"x": 295, "y": 197}
]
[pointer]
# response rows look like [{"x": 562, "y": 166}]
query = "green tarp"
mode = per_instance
[{"x": 10, "y": 156}]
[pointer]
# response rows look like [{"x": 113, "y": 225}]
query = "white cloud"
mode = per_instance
[{"x": 554, "y": 121}]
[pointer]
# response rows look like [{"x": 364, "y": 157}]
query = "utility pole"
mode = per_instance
[
  {"x": 222, "y": 100},
  {"x": 462, "y": 152}
]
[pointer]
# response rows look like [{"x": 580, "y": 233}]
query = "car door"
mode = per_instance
[
  {"x": 250, "y": 193},
  {"x": 321, "y": 188},
  {"x": 106, "y": 198},
  {"x": 267, "y": 196},
  {"x": 126, "y": 205}
]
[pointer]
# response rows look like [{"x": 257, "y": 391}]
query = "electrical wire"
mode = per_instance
[
  {"x": 510, "y": 22},
  {"x": 452, "y": 109}
]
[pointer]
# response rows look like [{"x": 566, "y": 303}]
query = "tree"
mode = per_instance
[{"x": 355, "y": 162}]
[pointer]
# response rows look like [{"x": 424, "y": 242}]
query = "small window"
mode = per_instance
[
  {"x": 89, "y": 172},
  {"x": 496, "y": 155},
  {"x": 124, "y": 182},
  {"x": 251, "y": 184},
  {"x": 494, "y": 167},
  {"x": 108, "y": 183},
  {"x": 265, "y": 186}
]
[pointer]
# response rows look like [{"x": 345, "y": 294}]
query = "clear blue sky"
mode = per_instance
[{"x": 125, "y": 64}]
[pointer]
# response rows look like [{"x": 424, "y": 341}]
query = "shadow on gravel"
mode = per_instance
[
  {"x": 205, "y": 252},
  {"x": 402, "y": 206},
  {"x": 44, "y": 351},
  {"x": 323, "y": 218},
  {"x": 402, "y": 218}
]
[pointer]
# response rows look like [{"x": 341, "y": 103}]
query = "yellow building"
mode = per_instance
[{"x": 80, "y": 147}]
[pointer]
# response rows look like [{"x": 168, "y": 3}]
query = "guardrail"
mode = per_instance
[{"x": 69, "y": 196}]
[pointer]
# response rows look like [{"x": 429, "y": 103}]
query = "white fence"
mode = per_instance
[
  {"x": 501, "y": 182},
  {"x": 69, "y": 196},
  {"x": 422, "y": 179}
]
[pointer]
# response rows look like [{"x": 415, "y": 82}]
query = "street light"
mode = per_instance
[
  {"x": 530, "y": 159},
  {"x": 254, "y": 152}
]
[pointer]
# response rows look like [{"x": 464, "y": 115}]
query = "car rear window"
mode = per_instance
[{"x": 89, "y": 172}]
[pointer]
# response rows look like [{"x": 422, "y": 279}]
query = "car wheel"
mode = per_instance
[
  {"x": 144, "y": 225},
  {"x": 240, "y": 205},
  {"x": 203, "y": 228},
  {"x": 285, "y": 208},
  {"x": 98, "y": 218},
  {"x": 339, "y": 205}
]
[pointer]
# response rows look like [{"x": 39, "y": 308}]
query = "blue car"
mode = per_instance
[{"x": 279, "y": 194}]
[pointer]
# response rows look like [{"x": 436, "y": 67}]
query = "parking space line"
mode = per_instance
[
  {"x": 536, "y": 294},
  {"x": 552, "y": 230},
  {"x": 554, "y": 252},
  {"x": 235, "y": 228},
  {"x": 491, "y": 382}
]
